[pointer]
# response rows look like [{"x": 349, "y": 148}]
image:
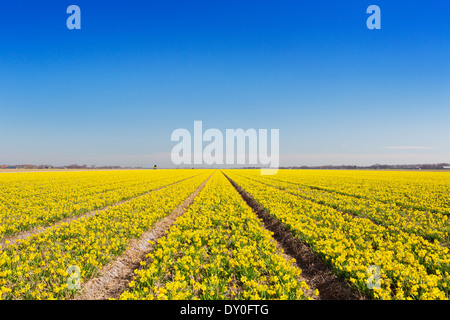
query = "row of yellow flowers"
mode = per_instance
[
  {"x": 410, "y": 266},
  {"x": 430, "y": 225},
  {"x": 218, "y": 249},
  {"x": 420, "y": 190},
  {"x": 29, "y": 200},
  {"x": 37, "y": 267}
]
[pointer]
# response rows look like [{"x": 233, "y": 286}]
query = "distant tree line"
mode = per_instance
[
  {"x": 71, "y": 166},
  {"x": 435, "y": 166}
]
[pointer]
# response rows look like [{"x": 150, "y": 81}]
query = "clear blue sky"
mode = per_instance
[{"x": 113, "y": 92}]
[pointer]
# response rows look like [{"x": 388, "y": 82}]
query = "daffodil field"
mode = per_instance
[
  {"x": 228, "y": 255},
  {"x": 356, "y": 237},
  {"x": 34, "y": 199},
  {"x": 393, "y": 222},
  {"x": 36, "y": 267}
]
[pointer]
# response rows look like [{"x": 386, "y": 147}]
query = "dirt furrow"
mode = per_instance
[
  {"x": 10, "y": 240},
  {"x": 114, "y": 277},
  {"x": 316, "y": 273}
]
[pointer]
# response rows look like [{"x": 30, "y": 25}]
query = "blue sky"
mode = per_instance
[{"x": 113, "y": 92}]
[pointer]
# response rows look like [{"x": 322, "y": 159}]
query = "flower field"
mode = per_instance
[
  {"x": 35, "y": 199},
  {"x": 228, "y": 255},
  {"x": 36, "y": 267},
  {"x": 393, "y": 222},
  {"x": 357, "y": 237}
]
